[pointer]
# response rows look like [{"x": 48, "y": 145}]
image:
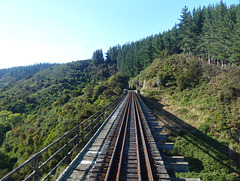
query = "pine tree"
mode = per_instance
[
  {"x": 167, "y": 41},
  {"x": 148, "y": 52},
  {"x": 112, "y": 53},
  {"x": 186, "y": 29},
  {"x": 158, "y": 45},
  {"x": 218, "y": 35},
  {"x": 97, "y": 57},
  {"x": 235, "y": 40},
  {"x": 197, "y": 25},
  {"x": 210, "y": 32},
  {"x": 175, "y": 40},
  {"x": 204, "y": 45}
]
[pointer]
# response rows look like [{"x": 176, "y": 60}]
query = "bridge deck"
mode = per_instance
[{"x": 82, "y": 165}]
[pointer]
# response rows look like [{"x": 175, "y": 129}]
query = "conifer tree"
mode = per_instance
[
  {"x": 175, "y": 40},
  {"x": 197, "y": 25},
  {"x": 186, "y": 29},
  {"x": 210, "y": 33},
  {"x": 158, "y": 45},
  {"x": 204, "y": 45},
  {"x": 112, "y": 53},
  {"x": 97, "y": 57},
  {"x": 235, "y": 40}
]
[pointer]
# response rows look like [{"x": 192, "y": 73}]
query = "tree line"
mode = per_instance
[{"x": 211, "y": 33}]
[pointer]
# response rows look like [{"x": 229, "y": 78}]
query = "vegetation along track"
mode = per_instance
[{"x": 130, "y": 153}]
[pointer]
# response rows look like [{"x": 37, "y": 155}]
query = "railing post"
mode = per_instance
[
  {"x": 35, "y": 167},
  {"x": 92, "y": 126},
  {"x": 103, "y": 115},
  {"x": 81, "y": 135},
  {"x": 66, "y": 151},
  {"x": 78, "y": 137}
]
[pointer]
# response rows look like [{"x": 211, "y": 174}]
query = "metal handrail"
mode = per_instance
[{"x": 82, "y": 134}]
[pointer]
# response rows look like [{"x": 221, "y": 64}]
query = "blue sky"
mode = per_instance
[{"x": 34, "y": 31}]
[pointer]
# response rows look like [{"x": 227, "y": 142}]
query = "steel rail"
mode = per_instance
[
  {"x": 146, "y": 154},
  {"x": 115, "y": 166},
  {"x": 136, "y": 141},
  {"x": 123, "y": 144},
  {"x": 137, "y": 146},
  {"x": 110, "y": 171}
]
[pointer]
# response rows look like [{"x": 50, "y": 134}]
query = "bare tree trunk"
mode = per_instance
[{"x": 209, "y": 59}]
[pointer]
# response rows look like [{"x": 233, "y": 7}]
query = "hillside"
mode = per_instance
[
  {"x": 210, "y": 33},
  {"x": 39, "y": 108},
  {"x": 11, "y": 75},
  {"x": 189, "y": 76},
  {"x": 200, "y": 106}
]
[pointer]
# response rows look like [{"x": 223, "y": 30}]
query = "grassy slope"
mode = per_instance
[{"x": 201, "y": 111}]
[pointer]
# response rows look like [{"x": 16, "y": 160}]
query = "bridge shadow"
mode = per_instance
[{"x": 219, "y": 152}]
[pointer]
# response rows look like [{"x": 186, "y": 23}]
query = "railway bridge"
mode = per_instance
[{"x": 122, "y": 141}]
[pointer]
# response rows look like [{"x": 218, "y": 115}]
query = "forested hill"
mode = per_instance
[
  {"x": 211, "y": 33},
  {"x": 39, "y": 103},
  {"x": 41, "y": 107},
  {"x": 47, "y": 85},
  {"x": 17, "y": 73}
]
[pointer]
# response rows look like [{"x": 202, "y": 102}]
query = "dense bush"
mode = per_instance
[
  {"x": 206, "y": 97},
  {"x": 37, "y": 110}
]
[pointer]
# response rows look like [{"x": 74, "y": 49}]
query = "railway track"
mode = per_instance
[{"x": 130, "y": 152}]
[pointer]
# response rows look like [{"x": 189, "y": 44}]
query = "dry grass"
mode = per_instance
[{"x": 188, "y": 114}]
